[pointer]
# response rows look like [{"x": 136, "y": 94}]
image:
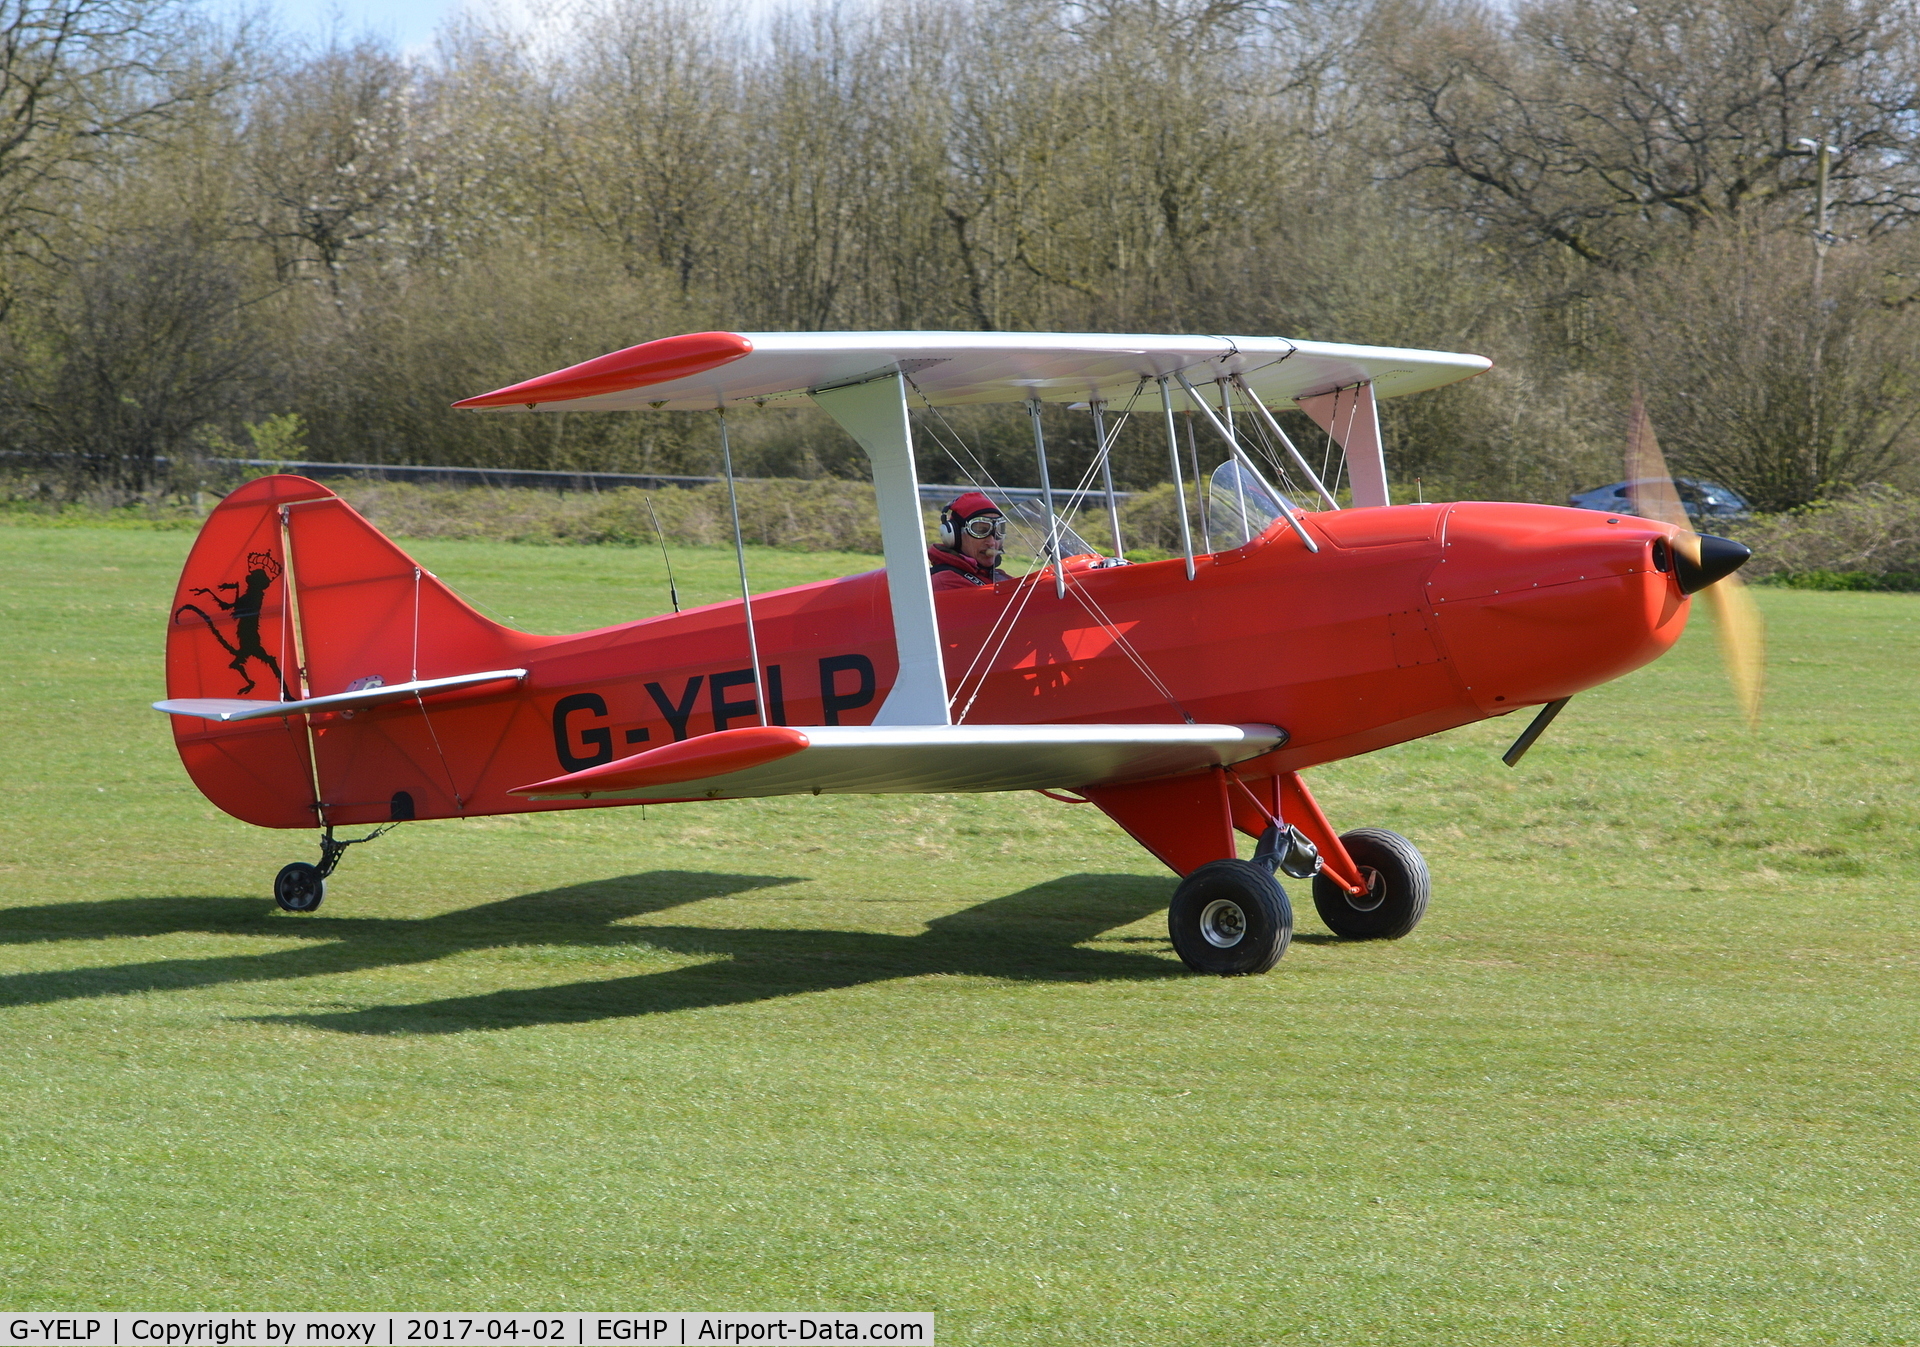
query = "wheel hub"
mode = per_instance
[
  {"x": 1375, "y": 895},
  {"x": 1223, "y": 924}
]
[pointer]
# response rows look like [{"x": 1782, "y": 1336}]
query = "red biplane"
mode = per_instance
[{"x": 319, "y": 677}]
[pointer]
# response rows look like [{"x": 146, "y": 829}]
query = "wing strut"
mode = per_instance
[
  {"x": 1286, "y": 441},
  {"x": 875, "y": 414},
  {"x": 1179, "y": 478},
  {"x": 1099, "y": 410},
  {"x": 1354, "y": 422},
  {"x": 1046, "y": 499}
]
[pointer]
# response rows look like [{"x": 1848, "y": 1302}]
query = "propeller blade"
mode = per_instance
[
  {"x": 1703, "y": 564},
  {"x": 1649, "y": 484},
  {"x": 1742, "y": 633}
]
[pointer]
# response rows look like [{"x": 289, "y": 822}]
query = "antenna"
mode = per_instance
[{"x": 672, "y": 593}]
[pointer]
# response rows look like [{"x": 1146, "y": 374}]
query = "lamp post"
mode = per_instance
[{"x": 1823, "y": 155}]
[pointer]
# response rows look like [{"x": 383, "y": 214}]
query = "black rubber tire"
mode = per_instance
[
  {"x": 1230, "y": 918},
  {"x": 299, "y": 888},
  {"x": 1397, "y": 899}
]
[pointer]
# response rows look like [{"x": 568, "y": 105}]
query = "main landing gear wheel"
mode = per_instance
[
  {"x": 1397, "y": 892},
  {"x": 1231, "y": 918},
  {"x": 299, "y": 887}
]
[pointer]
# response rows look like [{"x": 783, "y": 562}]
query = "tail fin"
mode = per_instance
[{"x": 290, "y": 593}]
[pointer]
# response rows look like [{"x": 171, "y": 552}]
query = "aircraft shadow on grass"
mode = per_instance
[{"x": 1036, "y": 934}]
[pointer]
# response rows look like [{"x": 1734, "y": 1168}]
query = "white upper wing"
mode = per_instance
[{"x": 950, "y": 368}]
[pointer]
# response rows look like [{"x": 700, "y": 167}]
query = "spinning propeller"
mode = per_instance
[{"x": 1703, "y": 563}]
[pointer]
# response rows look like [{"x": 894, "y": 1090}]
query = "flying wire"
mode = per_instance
[
  {"x": 991, "y": 648},
  {"x": 1004, "y": 625},
  {"x": 1029, "y": 585},
  {"x": 1126, "y": 646},
  {"x": 1009, "y": 614}
]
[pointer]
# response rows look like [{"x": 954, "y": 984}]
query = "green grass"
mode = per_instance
[{"x": 1647, "y": 1073}]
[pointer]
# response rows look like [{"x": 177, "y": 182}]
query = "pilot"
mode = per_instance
[{"x": 972, "y": 534}]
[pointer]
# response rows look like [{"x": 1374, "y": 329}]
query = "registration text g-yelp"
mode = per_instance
[{"x": 61, "y": 1329}]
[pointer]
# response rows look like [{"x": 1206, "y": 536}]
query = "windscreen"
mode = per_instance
[{"x": 1239, "y": 507}]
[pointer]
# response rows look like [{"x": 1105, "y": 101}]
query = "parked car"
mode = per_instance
[{"x": 1701, "y": 500}]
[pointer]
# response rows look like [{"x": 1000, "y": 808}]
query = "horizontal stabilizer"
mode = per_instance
[
  {"x": 239, "y": 708},
  {"x": 908, "y": 759}
]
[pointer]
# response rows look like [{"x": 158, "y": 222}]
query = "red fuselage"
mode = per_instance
[{"x": 1409, "y": 620}]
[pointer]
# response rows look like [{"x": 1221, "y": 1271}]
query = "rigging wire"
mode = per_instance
[
  {"x": 746, "y": 594},
  {"x": 1009, "y": 613},
  {"x": 1035, "y": 547},
  {"x": 1267, "y": 424},
  {"x": 996, "y": 640},
  {"x": 1029, "y": 586},
  {"x": 998, "y": 634},
  {"x": 1127, "y": 648},
  {"x": 1106, "y": 623},
  {"x": 1005, "y": 624},
  {"x": 980, "y": 478},
  {"x": 1327, "y": 459}
]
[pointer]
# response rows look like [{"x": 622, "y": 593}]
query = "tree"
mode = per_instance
[
  {"x": 79, "y": 81},
  {"x": 148, "y": 346},
  {"x": 640, "y": 117},
  {"x": 328, "y": 159},
  {"x": 1754, "y": 384},
  {"x": 1608, "y": 126}
]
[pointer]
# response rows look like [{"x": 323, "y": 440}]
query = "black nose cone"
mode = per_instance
[{"x": 1719, "y": 558}]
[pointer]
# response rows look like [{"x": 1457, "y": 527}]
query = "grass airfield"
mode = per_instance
[{"x": 1646, "y": 1074}]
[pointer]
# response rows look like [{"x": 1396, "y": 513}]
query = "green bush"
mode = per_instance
[
  {"x": 1872, "y": 533},
  {"x": 1906, "y": 581}
]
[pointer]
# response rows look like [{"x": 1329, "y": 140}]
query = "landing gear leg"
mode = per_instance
[{"x": 300, "y": 887}]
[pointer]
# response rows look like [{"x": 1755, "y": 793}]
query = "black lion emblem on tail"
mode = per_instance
[{"x": 248, "y": 596}]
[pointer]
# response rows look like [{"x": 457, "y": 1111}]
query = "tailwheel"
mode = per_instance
[
  {"x": 299, "y": 887},
  {"x": 1230, "y": 918},
  {"x": 1398, "y": 887}
]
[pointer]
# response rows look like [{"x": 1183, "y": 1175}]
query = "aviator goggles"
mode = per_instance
[{"x": 985, "y": 526}]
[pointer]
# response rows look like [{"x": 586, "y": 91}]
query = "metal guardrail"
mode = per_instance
[
  {"x": 932, "y": 493},
  {"x": 451, "y": 475}
]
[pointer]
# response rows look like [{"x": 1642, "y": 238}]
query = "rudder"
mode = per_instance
[{"x": 288, "y": 593}]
